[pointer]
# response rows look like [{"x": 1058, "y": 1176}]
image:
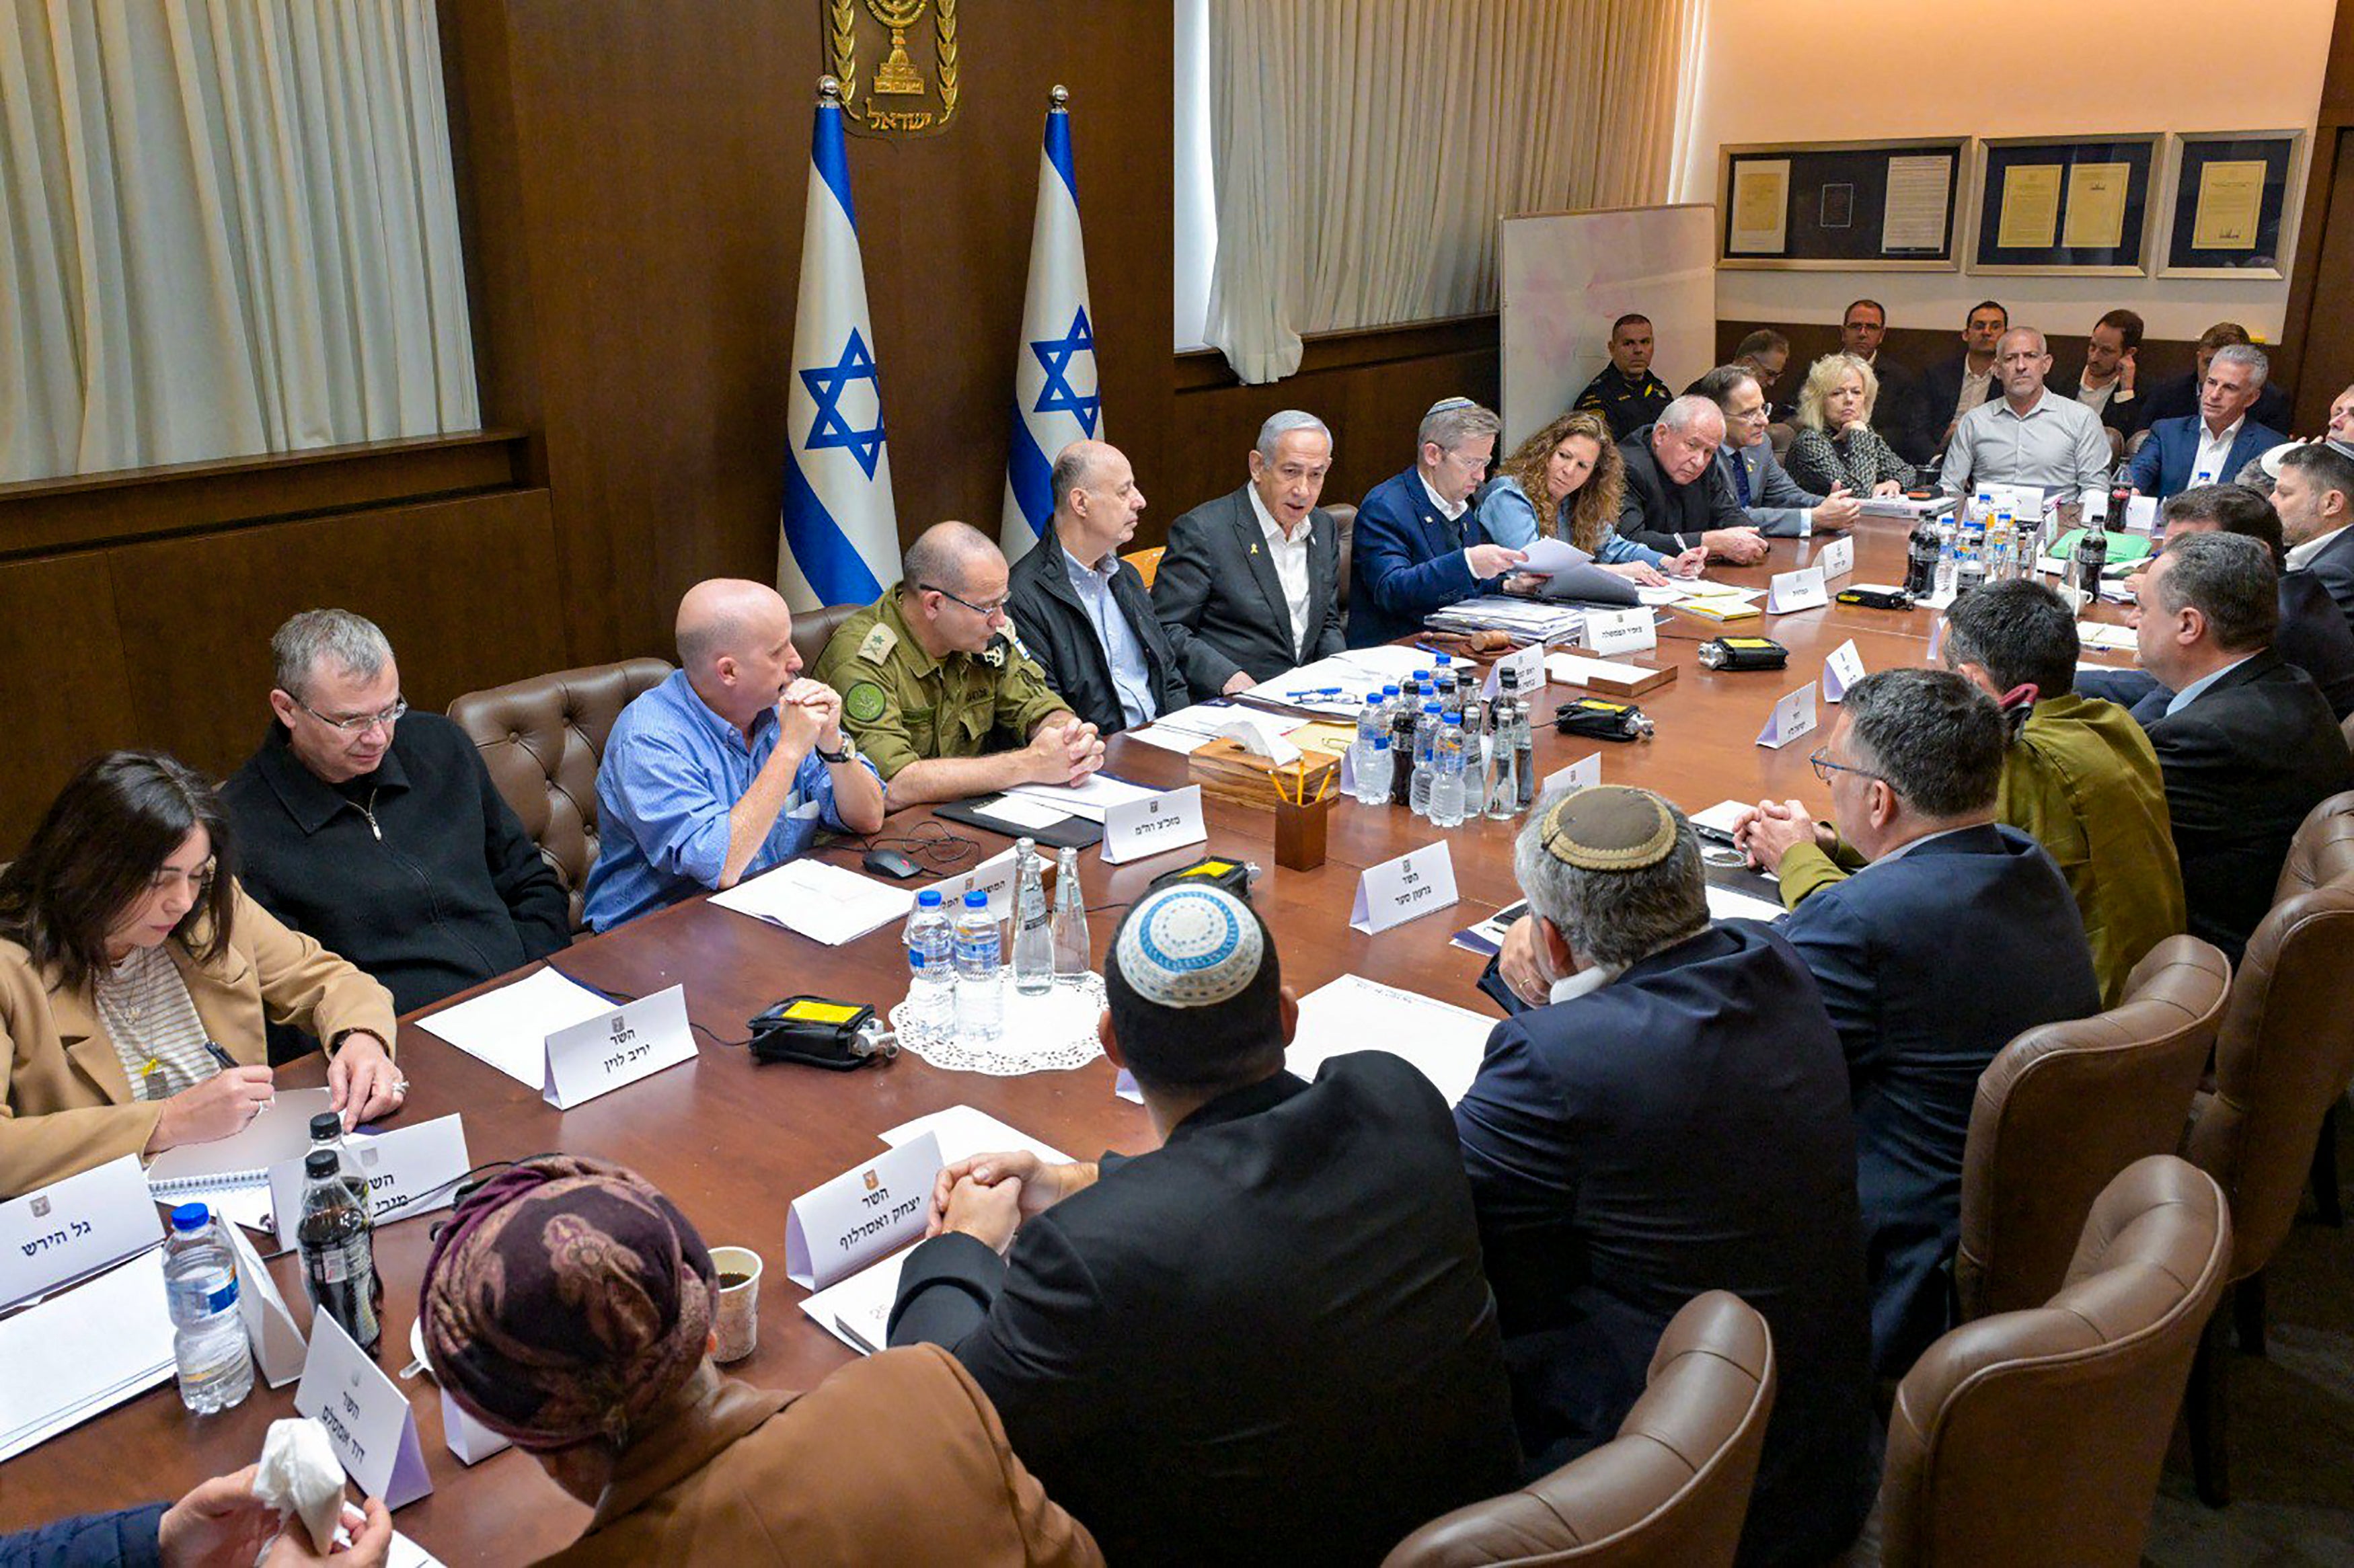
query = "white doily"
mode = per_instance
[{"x": 1053, "y": 1032}]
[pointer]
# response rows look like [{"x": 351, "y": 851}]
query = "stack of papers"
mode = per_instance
[
  {"x": 1445, "y": 1043},
  {"x": 822, "y": 902},
  {"x": 1090, "y": 798},
  {"x": 84, "y": 1351},
  {"x": 1724, "y": 904},
  {"x": 1529, "y": 620},
  {"x": 2108, "y": 639},
  {"x": 1187, "y": 729},
  {"x": 509, "y": 1027},
  {"x": 1338, "y": 686},
  {"x": 1487, "y": 938}
]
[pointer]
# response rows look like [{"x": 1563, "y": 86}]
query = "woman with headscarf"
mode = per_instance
[{"x": 568, "y": 1306}]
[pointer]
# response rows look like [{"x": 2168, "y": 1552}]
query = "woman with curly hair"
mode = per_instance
[
  {"x": 1566, "y": 482},
  {"x": 1835, "y": 444}
]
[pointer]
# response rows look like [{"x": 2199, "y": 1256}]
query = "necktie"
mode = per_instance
[{"x": 1740, "y": 478}]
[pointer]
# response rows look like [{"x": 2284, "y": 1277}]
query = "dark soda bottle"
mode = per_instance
[{"x": 337, "y": 1240}]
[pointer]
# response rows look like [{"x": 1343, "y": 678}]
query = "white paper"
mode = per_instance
[
  {"x": 620, "y": 1046},
  {"x": 409, "y": 1170},
  {"x": 1021, "y": 811},
  {"x": 1801, "y": 589},
  {"x": 1547, "y": 557},
  {"x": 857, "y": 1310},
  {"x": 1914, "y": 218},
  {"x": 282, "y": 1130},
  {"x": 822, "y": 902},
  {"x": 509, "y": 1027},
  {"x": 2101, "y": 635},
  {"x": 1841, "y": 671},
  {"x": 1418, "y": 883},
  {"x": 1154, "y": 825},
  {"x": 86, "y": 1350},
  {"x": 1836, "y": 559},
  {"x": 1389, "y": 661},
  {"x": 1609, "y": 631},
  {"x": 960, "y": 1132},
  {"x": 407, "y": 1553},
  {"x": 1090, "y": 798},
  {"x": 1170, "y": 737},
  {"x": 1582, "y": 774},
  {"x": 1443, "y": 1041},
  {"x": 1663, "y": 593},
  {"x": 1702, "y": 592},
  {"x": 75, "y": 1226},
  {"x": 279, "y": 1351},
  {"x": 1576, "y": 670},
  {"x": 1793, "y": 716},
  {"x": 1722, "y": 817},
  {"x": 840, "y": 1227},
  {"x": 366, "y": 1416},
  {"x": 1724, "y": 904},
  {"x": 248, "y": 1206},
  {"x": 2141, "y": 515}
]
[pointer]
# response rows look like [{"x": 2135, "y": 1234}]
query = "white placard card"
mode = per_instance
[
  {"x": 409, "y": 1170},
  {"x": 467, "y": 1438},
  {"x": 1841, "y": 671},
  {"x": 279, "y": 1353},
  {"x": 371, "y": 1429},
  {"x": 1793, "y": 716},
  {"x": 835, "y": 1230},
  {"x": 74, "y": 1228},
  {"x": 1528, "y": 668},
  {"x": 1801, "y": 589},
  {"x": 1582, "y": 774},
  {"x": 1418, "y": 883},
  {"x": 994, "y": 876},
  {"x": 1836, "y": 559},
  {"x": 617, "y": 1048},
  {"x": 1165, "y": 822},
  {"x": 1613, "y": 632}
]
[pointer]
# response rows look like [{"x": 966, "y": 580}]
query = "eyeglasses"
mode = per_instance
[
  {"x": 360, "y": 723},
  {"x": 1824, "y": 766},
  {"x": 986, "y": 612}
]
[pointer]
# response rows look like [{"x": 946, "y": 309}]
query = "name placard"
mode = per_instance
[
  {"x": 1418, "y": 883},
  {"x": 279, "y": 1353},
  {"x": 1793, "y": 716},
  {"x": 73, "y": 1227},
  {"x": 467, "y": 1438},
  {"x": 835, "y": 1230},
  {"x": 1801, "y": 589},
  {"x": 617, "y": 1048},
  {"x": 1582, "y": 774},
  {"x": 409, "y": 1170},
  {"x": 1836, "y": 559},
  {"x": 1528, "y": 668},
  {"x": 1609, "y": 631},
  {"x": 995, "y": 877},
  {"x": 1841, "y": 671},
  {"x": 370, "y": 1424},
  {"x": 1170, "y": 819}
]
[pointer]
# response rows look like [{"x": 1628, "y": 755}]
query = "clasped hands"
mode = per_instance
[
  {"x": 988, "y": 1196},
  {"x": 1770, "y": 830},
  {"x": 809, "y": 712},
  {"x": 1065, "y": 753}
]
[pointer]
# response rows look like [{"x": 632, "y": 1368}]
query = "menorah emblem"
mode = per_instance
[{"x": 898, "y": 75}]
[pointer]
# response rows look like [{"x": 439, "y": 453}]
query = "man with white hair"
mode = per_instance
[
  {"x": 2028, "y": 436},
  {"x": 728, "y": 767},
  {"x": 2213, "y": 445},
  {"x": 1253, "y": 577},
  {"x": 1675, "y": 496},
  {"x": 378, "y": 833},
  {"x": 1418, "y": 545}
]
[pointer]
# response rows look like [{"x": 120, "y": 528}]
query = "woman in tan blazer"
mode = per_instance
[{"x": 136, "y": 980}]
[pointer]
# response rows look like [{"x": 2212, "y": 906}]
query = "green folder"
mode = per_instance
[{"x": 2124, "y": 548}]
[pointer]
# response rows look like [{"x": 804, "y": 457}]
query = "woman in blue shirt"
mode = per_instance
[{"x": 1567, "y": 483}]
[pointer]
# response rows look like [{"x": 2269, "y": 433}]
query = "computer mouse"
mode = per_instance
[{"x": 891, "y": 863}]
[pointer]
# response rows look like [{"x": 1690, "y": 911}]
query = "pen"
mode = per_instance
[{"x": 223, "y": 1058}]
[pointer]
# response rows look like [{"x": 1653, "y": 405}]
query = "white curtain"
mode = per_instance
[
  {"x": 1363, "y": 150},
  {"x": 230, "y": 227}
]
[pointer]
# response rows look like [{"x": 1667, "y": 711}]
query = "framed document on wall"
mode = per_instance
[
  {"x": 2080, "y": 205},
  {"x": 1841, "y": 206},
  {"x": 2233, "y": 211}
]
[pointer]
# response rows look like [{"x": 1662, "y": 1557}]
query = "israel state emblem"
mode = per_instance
[{"x": 898, "y": 63}]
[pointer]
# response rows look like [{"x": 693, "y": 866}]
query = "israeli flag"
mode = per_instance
[
  {"x": 1055, "y": 400},
  {"x": 841, "y": 543}
]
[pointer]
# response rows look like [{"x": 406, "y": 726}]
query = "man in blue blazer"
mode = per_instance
[
  {"x": 2217, "y": 441},
  {"x": 1673, "y": 1120},
  {"x": 1417, "y": 546},
  {"x": 1957, "y": 935}
]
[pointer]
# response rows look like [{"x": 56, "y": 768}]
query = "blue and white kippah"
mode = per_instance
[{"x": 1189, "y": 946}]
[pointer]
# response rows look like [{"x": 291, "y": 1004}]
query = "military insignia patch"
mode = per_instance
[
  {"x": 864, "y": 701},
  {"x": 876, "y": 645},
  {"x": 994, "y": 654}
]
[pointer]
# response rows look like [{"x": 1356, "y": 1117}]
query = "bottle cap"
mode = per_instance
[
  {"x": 929, "y": 898},
  {"x": 1422, "y": 674},
  {"x": 320, "y": 1162},
  {"x": 1389, "y": 691},
  {"x": 1455, "y": 719},
  {"x": 976, "y": 899},
  {"x": 1430, "y": 707},
  {"x": 1445, "y": 659},
  {"x": 190, "y": 1217},
  {"x": 325, "y": 1126}
]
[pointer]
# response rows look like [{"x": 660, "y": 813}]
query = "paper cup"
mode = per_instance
[{"x": 740, "y": 1304}]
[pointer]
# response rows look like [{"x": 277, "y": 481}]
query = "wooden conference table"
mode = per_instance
[{"x": 734, "y": 1143}]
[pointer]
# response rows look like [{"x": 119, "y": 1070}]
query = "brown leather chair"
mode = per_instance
[
  {"x": 2066, "y": 1106},
  {"x": 542, "y": 740},
  {"x": 2035, "y": 1437},
  {"x": 1147, "y": 564},
  {"x": 2282, "y": 1061},
  {"x": 1344, "y": 518},
  {"x": 1671, "y": 1488},
  {"x": 813, "y": 629},
  {"x": 2347, "y": 726}
]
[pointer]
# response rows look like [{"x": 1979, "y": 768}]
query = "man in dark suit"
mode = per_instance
[
  {"x": 2314, "y": 497},
  {"x": 1769, "y": 499},
  {"x": 1252, "y": 580},
  {"x": 2213, "y": 445},
  {"x": 1675, "y": 498},
  {"x": 2179, "y": 398},
  {"x": 1626, "y": 394},
  {"x": 1268, "y": 1340},
  {"x": 1956, "y": 936},
  {"x": 2106, "y": 383},
  {"x": 1417, "y": 546},
  {"x": 1952, "y": 388},
  {"x": 1861, "y": 330},
  {"x": 1673, "y": 1120},
  {"x": 2247, "y": 744},
  {"x": 1082, "y": 611}
]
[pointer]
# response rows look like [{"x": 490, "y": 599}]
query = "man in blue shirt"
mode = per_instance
[{"x": 728, "y": 767}]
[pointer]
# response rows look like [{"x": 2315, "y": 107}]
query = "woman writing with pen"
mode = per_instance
[
  {"x": 136, "y": 979},
  {"x": 1567, "y": 483}
]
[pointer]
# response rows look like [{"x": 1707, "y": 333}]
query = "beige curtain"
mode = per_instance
[
  {"x": 1363, "y": 150},
  {"x": 229, "y": 227}
]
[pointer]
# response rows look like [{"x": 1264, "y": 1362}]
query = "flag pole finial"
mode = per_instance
[
  {"x": 1059, "y": 98},
  {"x": 828, "y": 90}
]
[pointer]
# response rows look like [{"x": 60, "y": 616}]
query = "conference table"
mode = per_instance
[{"x": 734, "y": 1142}]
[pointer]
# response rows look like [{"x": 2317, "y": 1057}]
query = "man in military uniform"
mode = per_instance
[
  {"x": 933, "y": 671},
  {"x": 1626, "y": 393}
]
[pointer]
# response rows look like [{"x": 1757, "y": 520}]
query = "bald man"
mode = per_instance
[
  {"x": 728, "y": 767},
  {"x": 1084, "y": 613},
  {"x": 936, "y": 686}
]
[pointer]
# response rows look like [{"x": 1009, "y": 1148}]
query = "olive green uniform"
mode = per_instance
[{"x": 904, "y": 705}]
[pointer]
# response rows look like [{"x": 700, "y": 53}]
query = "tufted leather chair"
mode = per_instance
[
  {"x": 2034, "y": 1437},
  {"x": 1671, "y": 1488},
  {"x": 2064, "y": 1108},
  {"x": 2281, "y": 1060},
  {"x": 813, "y": 629},
  {"x": 1344, "y": 518},
  {"x": 542, "y": 740},
  {"x": 2346, "y": 724}
]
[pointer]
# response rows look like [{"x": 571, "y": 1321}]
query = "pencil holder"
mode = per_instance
[{"x": 1300, "y": 834}]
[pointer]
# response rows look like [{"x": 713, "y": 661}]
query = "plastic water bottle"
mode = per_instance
[
  {"x": 1979, "y": 510},
  {"x": 1949, "y": 564},
  {"x": 1426, "y": 729},
  {"x": 1071, "y": 956},
  {"x": 1033, "y": 930},
  {"x": 1447, "y": 774},
  {"x": 1369, "y": 760},
  {"x": 931, "y": 958},
  {"x": 979, "y": 978},
  {"x": 1504, "y": 768},
  {"x": 208, "y": 1342}
]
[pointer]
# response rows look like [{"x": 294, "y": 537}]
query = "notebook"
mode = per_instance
[{"x": 280, "y": 1132}]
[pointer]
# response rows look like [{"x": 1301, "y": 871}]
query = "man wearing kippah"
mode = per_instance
[
  {"x": 1673, "y": 1120},
  {"x": 1268, "y": 1339},
  {"x": 1417, "y": 546}
]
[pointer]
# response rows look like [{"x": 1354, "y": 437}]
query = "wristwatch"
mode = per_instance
[{"x": 836, "y": 759}]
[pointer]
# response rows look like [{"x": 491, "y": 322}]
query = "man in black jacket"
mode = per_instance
[
  {"x": 377, "y": 831},
  {"x": 1082, "y": 611},
  {"x": 1675, "y": 498},
  {"x": 1268, "y": 1340},
  {"x": 1952, "y": 388},
  {"x": 2315, "y": 496},
  {"x": 2247, "y": 744}
]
